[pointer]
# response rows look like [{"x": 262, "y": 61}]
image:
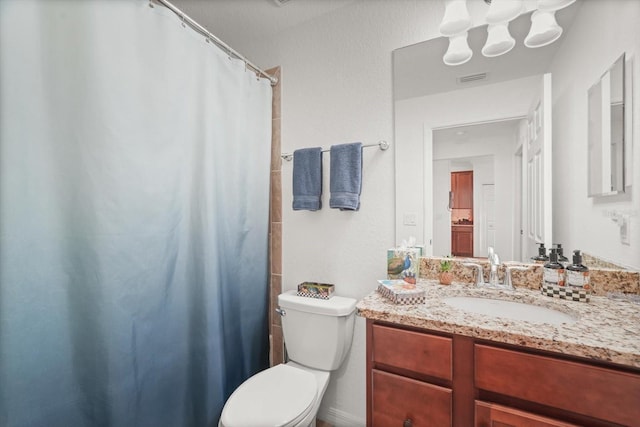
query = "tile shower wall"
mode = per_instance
[{"x": 276, "y": 351}]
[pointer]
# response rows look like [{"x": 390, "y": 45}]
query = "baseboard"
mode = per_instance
[{"x": 341, "y": 418}]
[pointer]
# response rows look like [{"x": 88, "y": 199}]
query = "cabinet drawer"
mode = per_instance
[
  {"x": 492, "y": 415},
  {"x": 396, "y": 400},
  {"x": 414, "y": 351},
  {"x": 589, "y": 390}
]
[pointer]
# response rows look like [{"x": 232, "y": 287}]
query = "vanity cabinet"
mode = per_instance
[
  {"x": 462, "y": 240},
  {"x": 425, "y": 378},
  {"x": 492, "y": 415},
  {"x": 409, "y": 378}
]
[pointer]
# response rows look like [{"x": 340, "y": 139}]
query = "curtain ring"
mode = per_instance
[
  {"x": 151, "y": 4},
  {"x": 183, "y": 24}
]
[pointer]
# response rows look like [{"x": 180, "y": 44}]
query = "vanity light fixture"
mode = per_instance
[
  {"x": 499, "y": 40},
  {"x": 456, "y": 19},
  {"x": 553, "y": 5},
  {"x": 459, "y": 51},
  {"x": 544, "y": 29},
  {"x": 456, "y": 23},
  {"x": 503, "y": 11}
]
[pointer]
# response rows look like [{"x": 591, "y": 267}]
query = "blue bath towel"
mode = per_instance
[
  {"x": 346, "y": 176},
  {"x": 307, "y": 179}
]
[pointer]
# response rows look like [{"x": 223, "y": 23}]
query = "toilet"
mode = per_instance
[{"x": 318, "y": 336}]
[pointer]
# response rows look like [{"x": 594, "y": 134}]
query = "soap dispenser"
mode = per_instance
[
  {"x": 553, "y": 274},
  {"x": 561, "y": 258},
  {"x": 578, "y": 274},
  {"x": 542, "y": 257}
]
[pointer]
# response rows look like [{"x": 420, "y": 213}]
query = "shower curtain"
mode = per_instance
[{"x": 134, "y": 192}]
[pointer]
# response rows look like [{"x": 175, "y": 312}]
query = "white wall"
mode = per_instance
[
  {"x": 601, "y": 32},
  {"x": 337, "y": 87}
]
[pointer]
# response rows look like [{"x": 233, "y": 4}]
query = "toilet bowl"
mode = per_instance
[
  {"x": 286, "y": 395},
  {"x": 318, "y": 335}
]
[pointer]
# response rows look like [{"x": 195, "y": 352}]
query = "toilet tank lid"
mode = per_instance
[{"x": 334, "y": 306}]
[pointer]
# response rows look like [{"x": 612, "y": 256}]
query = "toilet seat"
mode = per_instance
[{"x": 279, "y": 396}]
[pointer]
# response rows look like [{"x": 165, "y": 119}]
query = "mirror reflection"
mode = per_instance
[
  {"x": 489, "y": 123},
  {"x": 606, "y": 132},
  {"x": 539, "y": 169}
]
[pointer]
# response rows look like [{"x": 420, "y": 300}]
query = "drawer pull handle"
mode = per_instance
[{"x": 407, "y": 423}]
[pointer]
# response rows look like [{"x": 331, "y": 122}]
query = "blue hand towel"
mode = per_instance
[
  {"x": 346, "y": 176},
  {"x": 307, "y": 179}
]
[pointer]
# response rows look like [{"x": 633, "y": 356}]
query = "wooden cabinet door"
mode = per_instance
[
  {"x": 492, "y": 415},
  {"x": 462, "y": 241},
  {"x": 593, "y": 391},
  {"x": 462, "y": 188},
  {"x": 402, "y": 402}
]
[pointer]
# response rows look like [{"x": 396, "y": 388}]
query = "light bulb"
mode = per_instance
[
  {"x": 499, "y": 41},
  {"x": 544, "y": 29},
  {"x": 459, "y": 51},
  {"x": 456, "y": 18}
]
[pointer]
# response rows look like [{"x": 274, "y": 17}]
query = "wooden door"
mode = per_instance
[
  {"x": 462, "y": 241},
  {"x": 536, "y": 174},
  {"x": 462, "y": 189}
]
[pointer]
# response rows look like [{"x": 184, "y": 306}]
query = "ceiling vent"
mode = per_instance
[
  {"x": 471, "y": 78},
  {"x": 281, "y": 2}
]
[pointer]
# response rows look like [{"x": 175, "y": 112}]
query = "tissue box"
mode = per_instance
[
  {"x": 572, "y": 293},
  {"x": 403, "y": 262},
  {"x": 315, "y": 290},
  {"x": 401, "y": 292}
]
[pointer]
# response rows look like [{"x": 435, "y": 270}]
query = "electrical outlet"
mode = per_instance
[
  {"x": 625, "y": 225},
  {"x": 410, "y": 218}
]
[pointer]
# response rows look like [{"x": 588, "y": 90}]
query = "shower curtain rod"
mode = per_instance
[
  {"x": 222, "y": 45},
  {"x": 382, "y": 145}
]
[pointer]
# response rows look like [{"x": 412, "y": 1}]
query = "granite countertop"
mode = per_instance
[{"x": 606, "y": 329}]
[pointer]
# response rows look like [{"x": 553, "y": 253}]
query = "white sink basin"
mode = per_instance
[{"x": 510, "y": 310}]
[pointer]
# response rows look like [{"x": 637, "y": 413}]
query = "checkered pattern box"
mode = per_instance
[
  {"x": 316, "y": 290},
  {"x": 572, "y": 293},
  {"x": 401, "y": 292}
]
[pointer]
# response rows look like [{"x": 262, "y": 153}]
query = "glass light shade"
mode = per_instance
[
  {"x": 504, "y": 11},
  {"x": 553, "y": 5},
  {"x": 499, "y": 41},
  {"x": 459, "y": 51},
  {"x": 456, "y": 18},
  {"x": 544, "y": 29}
]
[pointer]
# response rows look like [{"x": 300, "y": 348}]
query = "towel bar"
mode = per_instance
[{"x": 383, "y": 145}]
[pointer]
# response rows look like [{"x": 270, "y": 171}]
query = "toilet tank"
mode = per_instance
[{"x": 317, "y": 332}]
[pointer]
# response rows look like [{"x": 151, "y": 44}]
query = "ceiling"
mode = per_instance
[
  {"x": 239, "y": 22},
  {"x": 418, "y": 70}
]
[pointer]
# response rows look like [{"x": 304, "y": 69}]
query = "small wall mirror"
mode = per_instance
[{"x": 606, "y": 133}]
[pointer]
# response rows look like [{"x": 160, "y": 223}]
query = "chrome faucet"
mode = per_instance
[
  {"x": 494, "y": 263},
  {"x": 479, "y": 273},
  {"x": 494, "y": 260}
]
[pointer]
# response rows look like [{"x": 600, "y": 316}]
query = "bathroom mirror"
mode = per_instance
[
  {"x": 492, "y": 116},
  {"x": 606, "y": 133}
]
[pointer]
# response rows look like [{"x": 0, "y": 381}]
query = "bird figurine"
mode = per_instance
[{"x": 407, "y": 274}]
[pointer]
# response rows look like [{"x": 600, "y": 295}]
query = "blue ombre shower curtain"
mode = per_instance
[{"x": 134, "y": 192}]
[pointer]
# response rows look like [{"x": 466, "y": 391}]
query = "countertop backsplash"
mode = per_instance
[{"x": 603, "y": 280}]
